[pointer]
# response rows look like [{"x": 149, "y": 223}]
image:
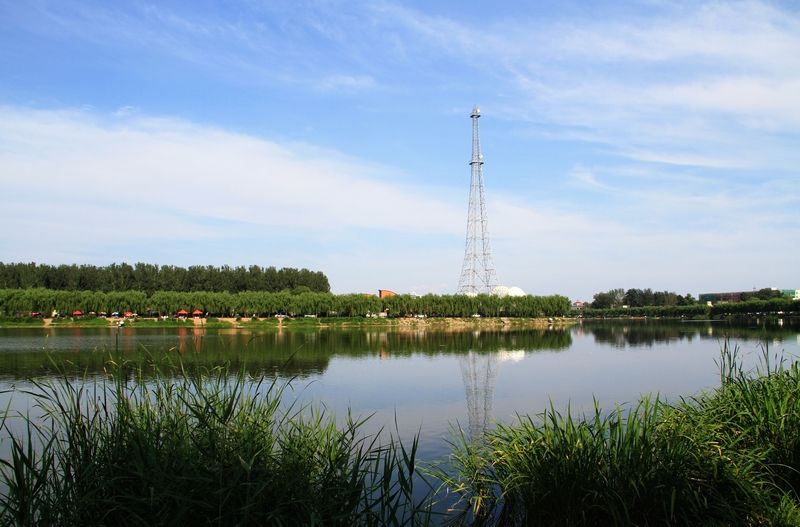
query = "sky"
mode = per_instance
[{"x": 626, "y": 144}]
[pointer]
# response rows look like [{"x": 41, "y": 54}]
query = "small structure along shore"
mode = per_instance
[{"x": 399, "y": 323}]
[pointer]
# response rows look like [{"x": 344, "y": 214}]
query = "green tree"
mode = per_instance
[{"x": 608, "y": 299}]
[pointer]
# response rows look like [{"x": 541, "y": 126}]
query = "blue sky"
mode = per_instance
[{"x": 627, "y": 144}]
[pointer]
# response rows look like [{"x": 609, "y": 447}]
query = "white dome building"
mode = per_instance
[
  {"x": 504, "y": 291},
  {"x": 500, "y": 290}
]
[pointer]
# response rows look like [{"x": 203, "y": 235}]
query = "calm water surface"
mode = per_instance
[{"x": 425, "y": 381}]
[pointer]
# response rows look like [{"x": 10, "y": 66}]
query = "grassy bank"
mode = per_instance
[
  {"x": 209, "y": 323},
  {"x": 271, "y": 323},
  {"x": 82, "y": 322},
  {"x": 216, "y": 447},
  {"x": 719, "y": 311},
  {"x": 21, "y": 322}
]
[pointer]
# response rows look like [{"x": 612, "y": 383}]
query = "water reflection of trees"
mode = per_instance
[
  {"x": 646, "y": 333},
  {"x": 284, "y": 353}
]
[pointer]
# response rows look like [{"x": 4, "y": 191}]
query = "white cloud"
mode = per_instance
[
  {"x": 161, "y": 164},
  {"x": 80, "y": 187},
  {"x": 772, "y": 100},
  {"x": 692, "y": 106},
  {"x": 83, "y": 187},
  {"x": 696, "y": 84},
  {"x": 547, "y": 250}
]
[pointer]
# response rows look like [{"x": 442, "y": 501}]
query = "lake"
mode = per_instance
[{"x": 424, "y": 381}]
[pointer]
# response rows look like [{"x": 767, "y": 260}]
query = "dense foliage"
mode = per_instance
[
  {"x": 151, "y": 278},
  {"x": 212, "y": 447},
  {"x": 640, "y": 298},
  {"x": 765, "y": 293},
  {"x": 617, "y": 298},
  {"x": 727, "y": 457},
  {"x": 14, "y": 302},
  {"x": 750, "y": 307}
]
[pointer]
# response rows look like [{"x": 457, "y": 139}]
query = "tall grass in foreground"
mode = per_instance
[
  {"x": 215, "y": 448},
  {"x": 205, "y": 449},
  {"x": 727, "y": 457}
]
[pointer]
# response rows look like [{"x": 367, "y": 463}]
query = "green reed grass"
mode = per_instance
[
  {"x": 727, "y": 457},
  {"x": 215, "y": 447},
  {"x": 205, "y": 448},
  {"x": 753, "y": 419}
]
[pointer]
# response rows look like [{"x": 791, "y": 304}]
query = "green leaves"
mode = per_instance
[
  {"x": 210, "y": 447},
  {"x": 150, "y": 278},
  {"x": 266, "y": 304},
  {"x": 728, "y": 457}
]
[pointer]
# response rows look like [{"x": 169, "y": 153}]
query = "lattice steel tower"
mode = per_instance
[{"x": 477, "y": 272}]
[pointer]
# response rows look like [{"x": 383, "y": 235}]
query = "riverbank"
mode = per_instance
[
  {"x": 750, "y": 308},
  {"x": 398, "y": 323},
  {"x": 401, "y": 323},
  {"x": 22, "y": 302}
]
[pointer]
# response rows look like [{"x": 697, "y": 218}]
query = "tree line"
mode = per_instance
[
  {"x": 617, "y": 298},
  {"x": 765, "y": 293},
  {"x": 640, "y": 298},
  {"x": 16, "y": 302},
  {"x": 697, "y": 310},
  {"x": 151, "y": 278}
]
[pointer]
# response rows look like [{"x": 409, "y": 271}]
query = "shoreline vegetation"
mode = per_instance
[
  {"x": 775, "y": 306},
  {"x": 21, "y": 307},
  {"x": 156, "y": 444},
  {"x": 272, "y": 323},
  {"x": 37, "y": 302}
]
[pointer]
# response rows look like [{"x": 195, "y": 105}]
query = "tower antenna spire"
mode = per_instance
[{"x": 477, "y": 272}]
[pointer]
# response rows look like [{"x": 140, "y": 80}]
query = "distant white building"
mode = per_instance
[
  {"x": 500, "y": 291},
  {"x": 503, "y": 291}
]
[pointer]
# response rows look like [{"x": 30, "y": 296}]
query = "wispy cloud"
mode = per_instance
[
  {"x": 672, "y": 200},
  {"x": 82, "y": 186},
  {"x": 257, "y": 44},
  {"x": 349, "y": 83},
  {"x": 172, "y": 165},
  {"x": 549, "y": 250},
  {"x": 674, "y": 128},
  {"x": 688, "y": 84},
  {"x": 710, "y": 75},
  {"x": 75, "y": 182}
]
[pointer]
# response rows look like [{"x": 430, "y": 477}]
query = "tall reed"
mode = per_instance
[
  {"x": 207, "y": 448},
  {"x": 754, "y": 420},
  {"x": 215, "y": 447},
  {"x": 726, "y": 457}
]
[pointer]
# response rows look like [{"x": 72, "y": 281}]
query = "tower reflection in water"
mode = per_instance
[{"x": 478, "y": 371}]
